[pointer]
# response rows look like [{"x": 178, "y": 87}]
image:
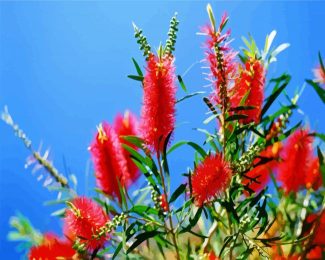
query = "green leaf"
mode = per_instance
[
  {"x": 239, "y": 108},
  {"x": 192, "y": 221},
  {"x": 164, "y": 154},
  {"x": 285, "y": 78},
  {"x": 135, "y": 77},
  {"x": 279, "y": 49},
  {"x": 321, "y": 164},
  {"x": 235, "y": 117},
  {"x": 320, "y": 91},
  {"x": 137, "y": 67},
  {"x": 210, "y": 118},
  {"x": 198, "y": 148},
  {"x": 181, "y": 188},
  {"x": 321, "y": 62},
  {"x": 181, "y": 82},
  {"x": 321, "y": 136},
  {"x": 141, "y": 238},
  {"x": 268, "y": 41},
  {"x": 135, "y": 140},
  {"x": 140, "y": 209},
  {"x": 117, "y": 250},
  {"x": 58, "y": 213},
  {"x": 189, "y": 96}
]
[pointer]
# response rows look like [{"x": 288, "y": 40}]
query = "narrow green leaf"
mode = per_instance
[
  {"x": 181, "y": 82},
  {"x": 321, "y": 62},
  {"x": 58, "y": 213},
  {"x": 235, "y": 117},
  {"x": 140, "y": 209},
  {"x": 321, "y": 164},
  {"x": 137, "y": 67},
  {"x": 320, "y": 91},
  {"x": 141, "y": 238},
  {"x": 239, "y": 108},
  {"x": 181, "y": 188},
  {"x": 198, "y": 148},
  {"x": 276, "y": 91},
  {"x": 190, "y": 95},
  {"x": 135, "y": 77},
  {"x": 117, "y": 250},
  {"x": 135, "y": 140}
]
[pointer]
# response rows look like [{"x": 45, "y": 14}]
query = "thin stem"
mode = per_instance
[
  {"x": 169, "y": 213},
  {"x": 230, "y": 228}
]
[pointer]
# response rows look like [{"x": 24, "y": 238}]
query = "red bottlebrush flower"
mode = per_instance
[
  {"x": 220, "y": 58},
  {"x": 315, "y": 253},
  {"x": 158, "y": 110},
  {"x": 212, "y": 256},
  {"x": 319, "y": 75},
  {"x": 52, "y": 248},
  {"x": 297, "y": 155},
  {"x": 110, "y": 163},
  {"x": 249, "y": 90},
  {"x": 261, "y": 173},
  {"x": 209, "y": 178},
  {"x": 319, "y": 238},
  {"x": 163, "y": 203},
  {"x": 128, "y": 125},
  {"x": 84, "y": 220},
  {"x": 313, "y": 177}
]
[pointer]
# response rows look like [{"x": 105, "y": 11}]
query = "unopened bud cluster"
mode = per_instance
[
  {"x": 278, "y": 126},
  {"x": 173, "y": 28},
  {"x": 6, "y": 117},
  {"x": 159, "y": 203},
  {"x": 111, "y": 225},
  {"x": 142, "y": 41},
  {"x": 245, "y": 161}
]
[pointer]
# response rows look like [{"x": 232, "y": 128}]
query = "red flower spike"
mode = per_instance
[
  {"x": 84, "y": 221},
  {"x": 249, "y": 90},
  {"x": 220, "y": 58},
  {"x": 319, "y": 238},
  {"x": 210, "y": 177},
  {"x": 262, "y": 172},
  {"x": 110, "y": 163},
  {"x": 52, "y": 248},
  {"x": 163, "y": 203},
  {"x": 315, "y": 253},
  {"x": 319, "y": 75},
  {"x": 158, "y": 110},
  {"x": 128, "y": 125},
  {"x": 297, "y": 155},
  {"x": 314, "y": 177}
]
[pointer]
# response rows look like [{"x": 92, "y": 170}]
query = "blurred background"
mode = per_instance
[{"x": 64, "y": 67}]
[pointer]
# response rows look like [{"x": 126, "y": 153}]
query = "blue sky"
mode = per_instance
[{"x": 64, "y": 67}]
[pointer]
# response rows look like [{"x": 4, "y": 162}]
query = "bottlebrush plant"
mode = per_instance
[{"x": 255, "y": 189}]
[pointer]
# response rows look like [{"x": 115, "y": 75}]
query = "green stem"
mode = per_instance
[{"x": 169, "y": 213}]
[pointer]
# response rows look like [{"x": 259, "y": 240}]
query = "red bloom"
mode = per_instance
[
  {"x": 261, "y": 173},
  {"x": 110, "y": 163},
  {"x": 297, "y": 155},
  {"x": 219, "y": 57},
  {"x": 158, "y": 110},
  {"x": 52, "y": 248},
  {"x": 315, "y": 253},
  {"x": 209, "y": 178},
  {"x": 163, "y": 203},
  {"x": 85, "y": 219},
  {"x": 249, "y": 90},
  {"x": 319, "y": 75},
  {"x": 313, "y": 178},
  {"x": 128, "y": 125},
  {"x": 319, "y": 238}
]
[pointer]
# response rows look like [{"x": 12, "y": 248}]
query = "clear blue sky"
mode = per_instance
[{"x": 63, "y": 68}]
